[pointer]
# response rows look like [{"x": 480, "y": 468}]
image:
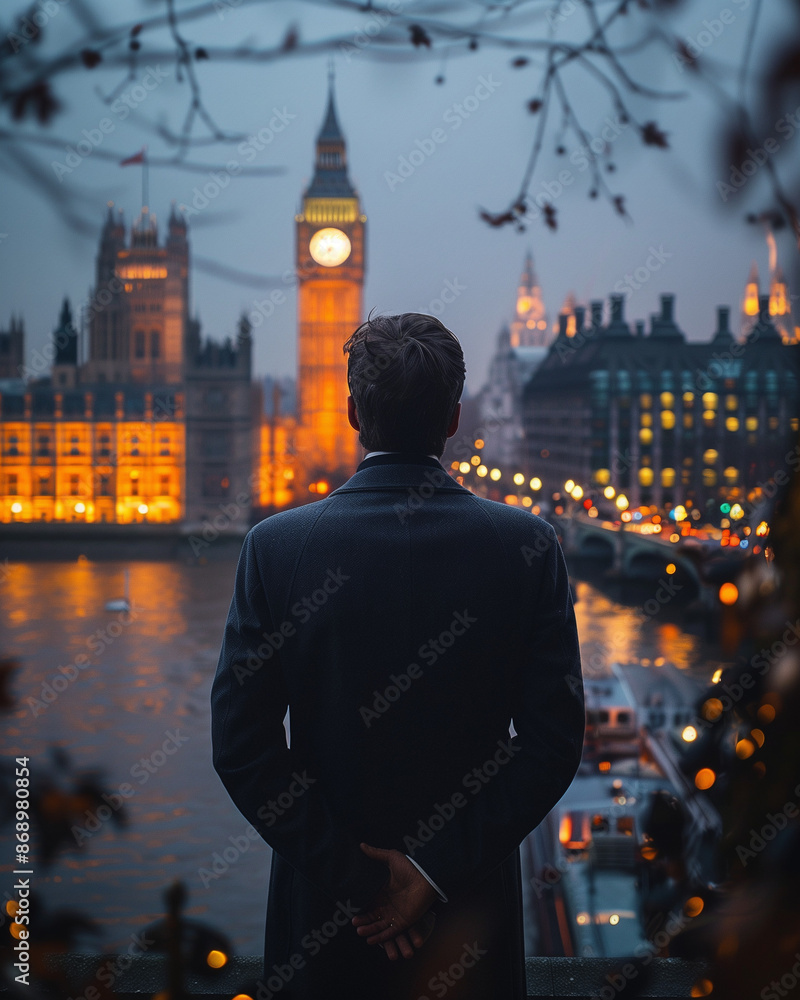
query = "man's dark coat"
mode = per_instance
[{"x": 405, "y": 622}]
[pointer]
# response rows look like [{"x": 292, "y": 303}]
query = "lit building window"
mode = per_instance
[
  {"x": 74, "y": 486},
  {"x": 164, "y": 445},
  {"x": 646, "y": 477},
  {"x": 645, "y": 401},
  {"x": 731, "y": 475},
  {"x": 163, "y": 486},
  {"x": 688, "y": 420},
  {"x": 668, "y": 477},
  {"x": 751, "y": 423},
  {"x": 647, "y": 420},
  {"x": 709, "y": 477},
  {"x": 645, "y": 435},
  {"x": 731, "y": 402},
  {"x": 710, "y": 400},
  {"x": 710, "y": 456},
  {"x": 12, "y": 485},
  {"x": 667, "y": 400},
  {"x": 667, "y": 419},
  {"x": 141, "y": 272},
  {"x": 732, "y": 424},
  {"x": 688, "y": 398},
  {"x": 74, "y": 442}
]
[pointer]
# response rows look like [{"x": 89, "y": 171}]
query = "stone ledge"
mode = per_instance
[{"x": 660, "y": 979}]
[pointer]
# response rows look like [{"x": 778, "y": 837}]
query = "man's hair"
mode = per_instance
[{"x": 406, "y": 374}]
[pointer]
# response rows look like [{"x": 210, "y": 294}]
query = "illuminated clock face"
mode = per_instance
[{"x": 329, "y": 247}]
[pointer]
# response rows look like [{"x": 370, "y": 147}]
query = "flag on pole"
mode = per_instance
[{"x": 136, "y": 158}]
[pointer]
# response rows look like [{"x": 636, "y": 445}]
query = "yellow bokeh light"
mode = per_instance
[
  {"x": 569, "y": 486},
  {"x": 671, "y": 569},
  {"x": 216, "y": 959},
  {"x": 577, "y": 493},
  {"x": 479, "y": 443},
  {"x": 765, "y": 714},
  {"x": 622, "y": 501},
  {"x": 689, "y": 734},
  {"x": 729, "y": 593},
  {"x": 645, "y": 435},
  {"x": 476, "y": 460},
  {"x": 704, "y": 778},
  {"x": 667, "y": 419},
  {"x": 495, "y": 474},
  {"x": 464, "y": 468},
  {"x": 535, "y": 483},
  {"x": 609, "y": 492},
  {"x": 519, "y": 479},
  {"x": 482, "y": 470},
  {"x": 693, "y": 906},
  {"x": 646, "y": 476},
  {"x": 745, "y": 749}
]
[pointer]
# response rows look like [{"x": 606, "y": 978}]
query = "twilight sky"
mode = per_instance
[{"x": 423, "y": 233}]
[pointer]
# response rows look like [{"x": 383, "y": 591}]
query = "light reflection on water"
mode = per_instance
[{"x": 148, "y": 679}]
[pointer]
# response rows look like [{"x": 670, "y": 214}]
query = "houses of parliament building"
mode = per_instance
[{"x": 161, "y": 426}]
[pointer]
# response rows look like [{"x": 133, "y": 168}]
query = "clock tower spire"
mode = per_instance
[{"x": 330, "y": 270}]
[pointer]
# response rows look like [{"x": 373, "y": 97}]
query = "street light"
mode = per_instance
[{"x": 622, "y": 502}]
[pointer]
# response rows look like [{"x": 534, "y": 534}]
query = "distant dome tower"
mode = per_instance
[
  {"x": 750, "y": 308},
  {"x": 530, "y": 326},
  {"x": 780, "y": 308}
]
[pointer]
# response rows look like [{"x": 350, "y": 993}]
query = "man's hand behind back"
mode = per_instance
[{"x": 400, "y": 906}]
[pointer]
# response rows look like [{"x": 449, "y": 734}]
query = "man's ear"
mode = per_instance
[
  {"x": 454, "y": 422},
  {"x": 352, "y": 416}
]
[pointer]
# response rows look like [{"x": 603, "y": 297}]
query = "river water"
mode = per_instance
[{"x": 138, "y": 708}]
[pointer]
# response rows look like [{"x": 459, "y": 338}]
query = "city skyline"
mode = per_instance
[{"x": 409, "y": 264}]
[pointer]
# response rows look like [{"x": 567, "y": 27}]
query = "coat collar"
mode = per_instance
[{"x": 400, "y": 470}]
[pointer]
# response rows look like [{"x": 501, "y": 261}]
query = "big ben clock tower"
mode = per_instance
[{"x": 330, "y": 270}]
